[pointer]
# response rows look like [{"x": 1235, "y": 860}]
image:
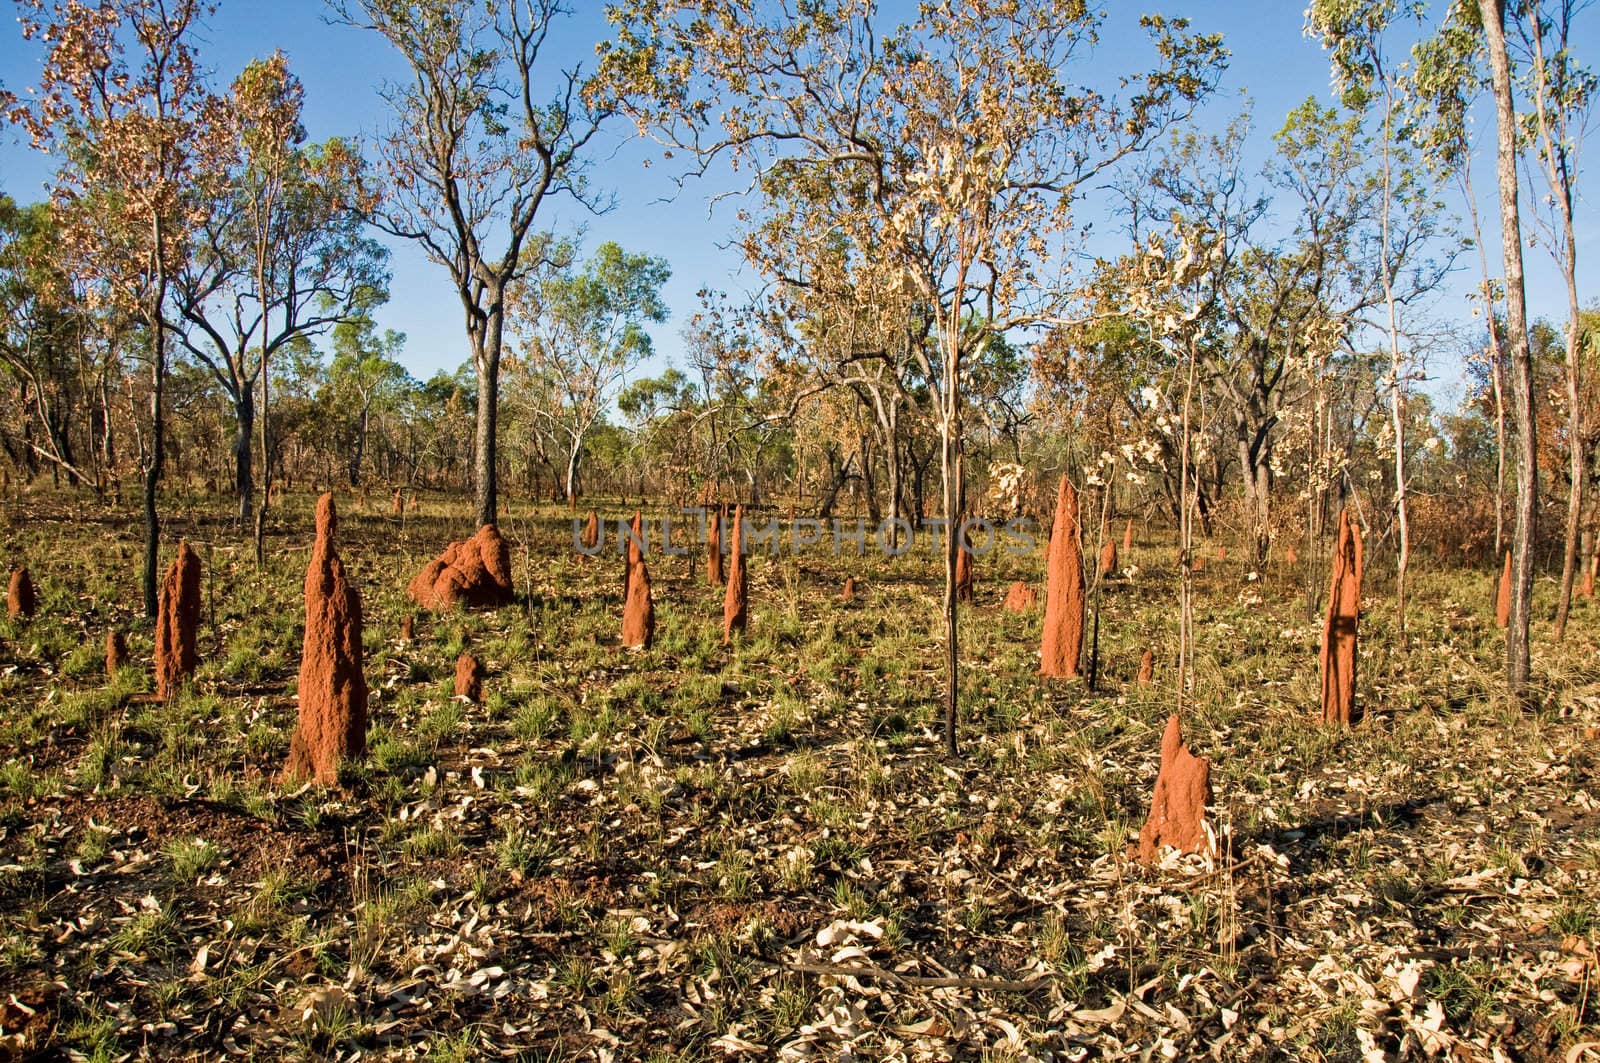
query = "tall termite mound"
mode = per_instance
[
  {"x": 1178, "y": 806},
  {"x": 116, "y": 652},
  {"x": 735, "y": 600},
  {"x": 1502, "y": 597},
  {"x": 1339, "y": 635},
  {"x": 638, "y": 607},
  {"x": 1127, "y": 536},
  {"x": 714, "y": 522},
  {"x": 964, "y": 577},
  {"x": 590, "y": 540},
  {"x": 1108, "y": 558},
  {"x": 1062, "y": 643},
  {"x": 1021, "y": 598},
  {"x": 473, "y": 572},
  {"x": 21, "y": 600},
  {"x": 177, "y": 622},
  {"x": 333, "y": 688},
  {"x": 469, "y": 678},
  {"x": 397, "y": 504},
  {"x": 1147, "y": 668},
  {"x": 849, "y": 592}
]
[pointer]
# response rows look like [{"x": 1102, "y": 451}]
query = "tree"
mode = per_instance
[
  {"x": 363, "y": 375},
  {"x": 121, "y": 100},
  {"x": 474, "y": 153},
  {"x": 1518, "y": 656},
  {"x": 1368, "y": 76},
  {"x": 944, "y": 154},
  {"x": 282, "y": 253},
  {"x": 582, "y": 332},
  {"x": 1559, "y": 93}
]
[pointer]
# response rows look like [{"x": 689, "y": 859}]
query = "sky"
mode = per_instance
[{"x": 344, "y": 68}]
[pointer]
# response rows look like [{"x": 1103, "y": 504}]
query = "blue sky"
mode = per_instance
[{"x": 343, "y": 69}]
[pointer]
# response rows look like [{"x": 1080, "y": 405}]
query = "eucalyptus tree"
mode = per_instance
[
  {"x": 474, "y": 152},
  {"x": 947, "y": 151},
  {"x": 122, "y": 102},
  {"x": 282, "y": 251}
]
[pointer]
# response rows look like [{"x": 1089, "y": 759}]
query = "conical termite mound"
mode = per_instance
[
  {"x": 1147, "y": 668},
  {"x": 21, "y": 599},
  {"x": 397, "y": 505},
  {"x": 1127, "y": 536},
  {"x": 1061, "y": 645},
  {"x": 638, "y": 607},
  {"x": 473, "y": 572},
  {"x": 849, "y": 592},
  {"x": 1339, "y": 627},
  {"x": 964, "y": 575},
  {"x": 1178, "y": 806},
  {"x": 116, "y": 652},
  {"x": 1021, "y": 598},
  {"x": 408, "y": 628},
  {"x": 1108, "y": 558},
  {"x": 177, "y": 622},
  {"x": 590, "y": 539},
  {"x": 332, "y": 724},
  {"x": 714, "y": 522},
  {"x": 469, "y": 678}
]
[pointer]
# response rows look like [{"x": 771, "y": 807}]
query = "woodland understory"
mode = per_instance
[{"x": 693, "y": 852}]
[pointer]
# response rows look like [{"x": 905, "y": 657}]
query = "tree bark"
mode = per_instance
[
  {"x": 486, "y": 361},
  {"x": 1518, "y": 657},
  {"x": 244, "y": 411}
]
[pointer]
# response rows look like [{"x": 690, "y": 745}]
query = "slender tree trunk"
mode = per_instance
[
  {"x": 487, "y": 362},
  {"x": 1518, "y": 656},
  {"x": 158, "y": 428},
  {"x": 266, "y": 415},
  {"x": 244, "y": 411}
]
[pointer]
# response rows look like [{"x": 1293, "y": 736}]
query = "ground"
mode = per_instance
[{"x": 700, "y": 853}]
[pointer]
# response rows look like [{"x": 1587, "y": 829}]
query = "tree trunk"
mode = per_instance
[
  {"x": 486, "y": 360},
  {"x": 1518, "y": 657},
  {"x": 950, "y": 468},
  {"x": 158, "y": 430},
  {"x": 244, "y": 410}
]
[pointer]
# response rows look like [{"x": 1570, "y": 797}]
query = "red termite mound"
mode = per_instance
[
  {"x": 333, "y": 689},
  {"x": 408, "y": 627},
  {"x": 1198, "y": 564},
  {"x": 397, "y": 505},
  {"x": 21, "y": 600},
  {"x": 177, "y": 622},
  {"x": 1108, "y": 558},
  {"x": 714, "y": 522},
  {"x": 116, "y": 652},
  {"x": 736, "y": 600},
  {"x": 1147, "y": 667},
  {"x": 591, "y": 534},
  {"x": 1021, "y": 598},
  {"x": 1178, "y": 807},
  {"x": 474, "y": 572},
  {"x": 964, "y": 577},
  {"x": 1127, "y": 536},
  {"x": 1290, "y": 557},
  {"x": 638, "y": 608},
  {"x": 469, "y": 678},
  {"x": 849, "y": 592},
  {"x": 1339, "y": 636},
  {"x": 635, "y": 543},
  {"x": 1502, "y": 598},
  {"x": 1062, "y": 643},
  {"x": 1222, "y": 552}
]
